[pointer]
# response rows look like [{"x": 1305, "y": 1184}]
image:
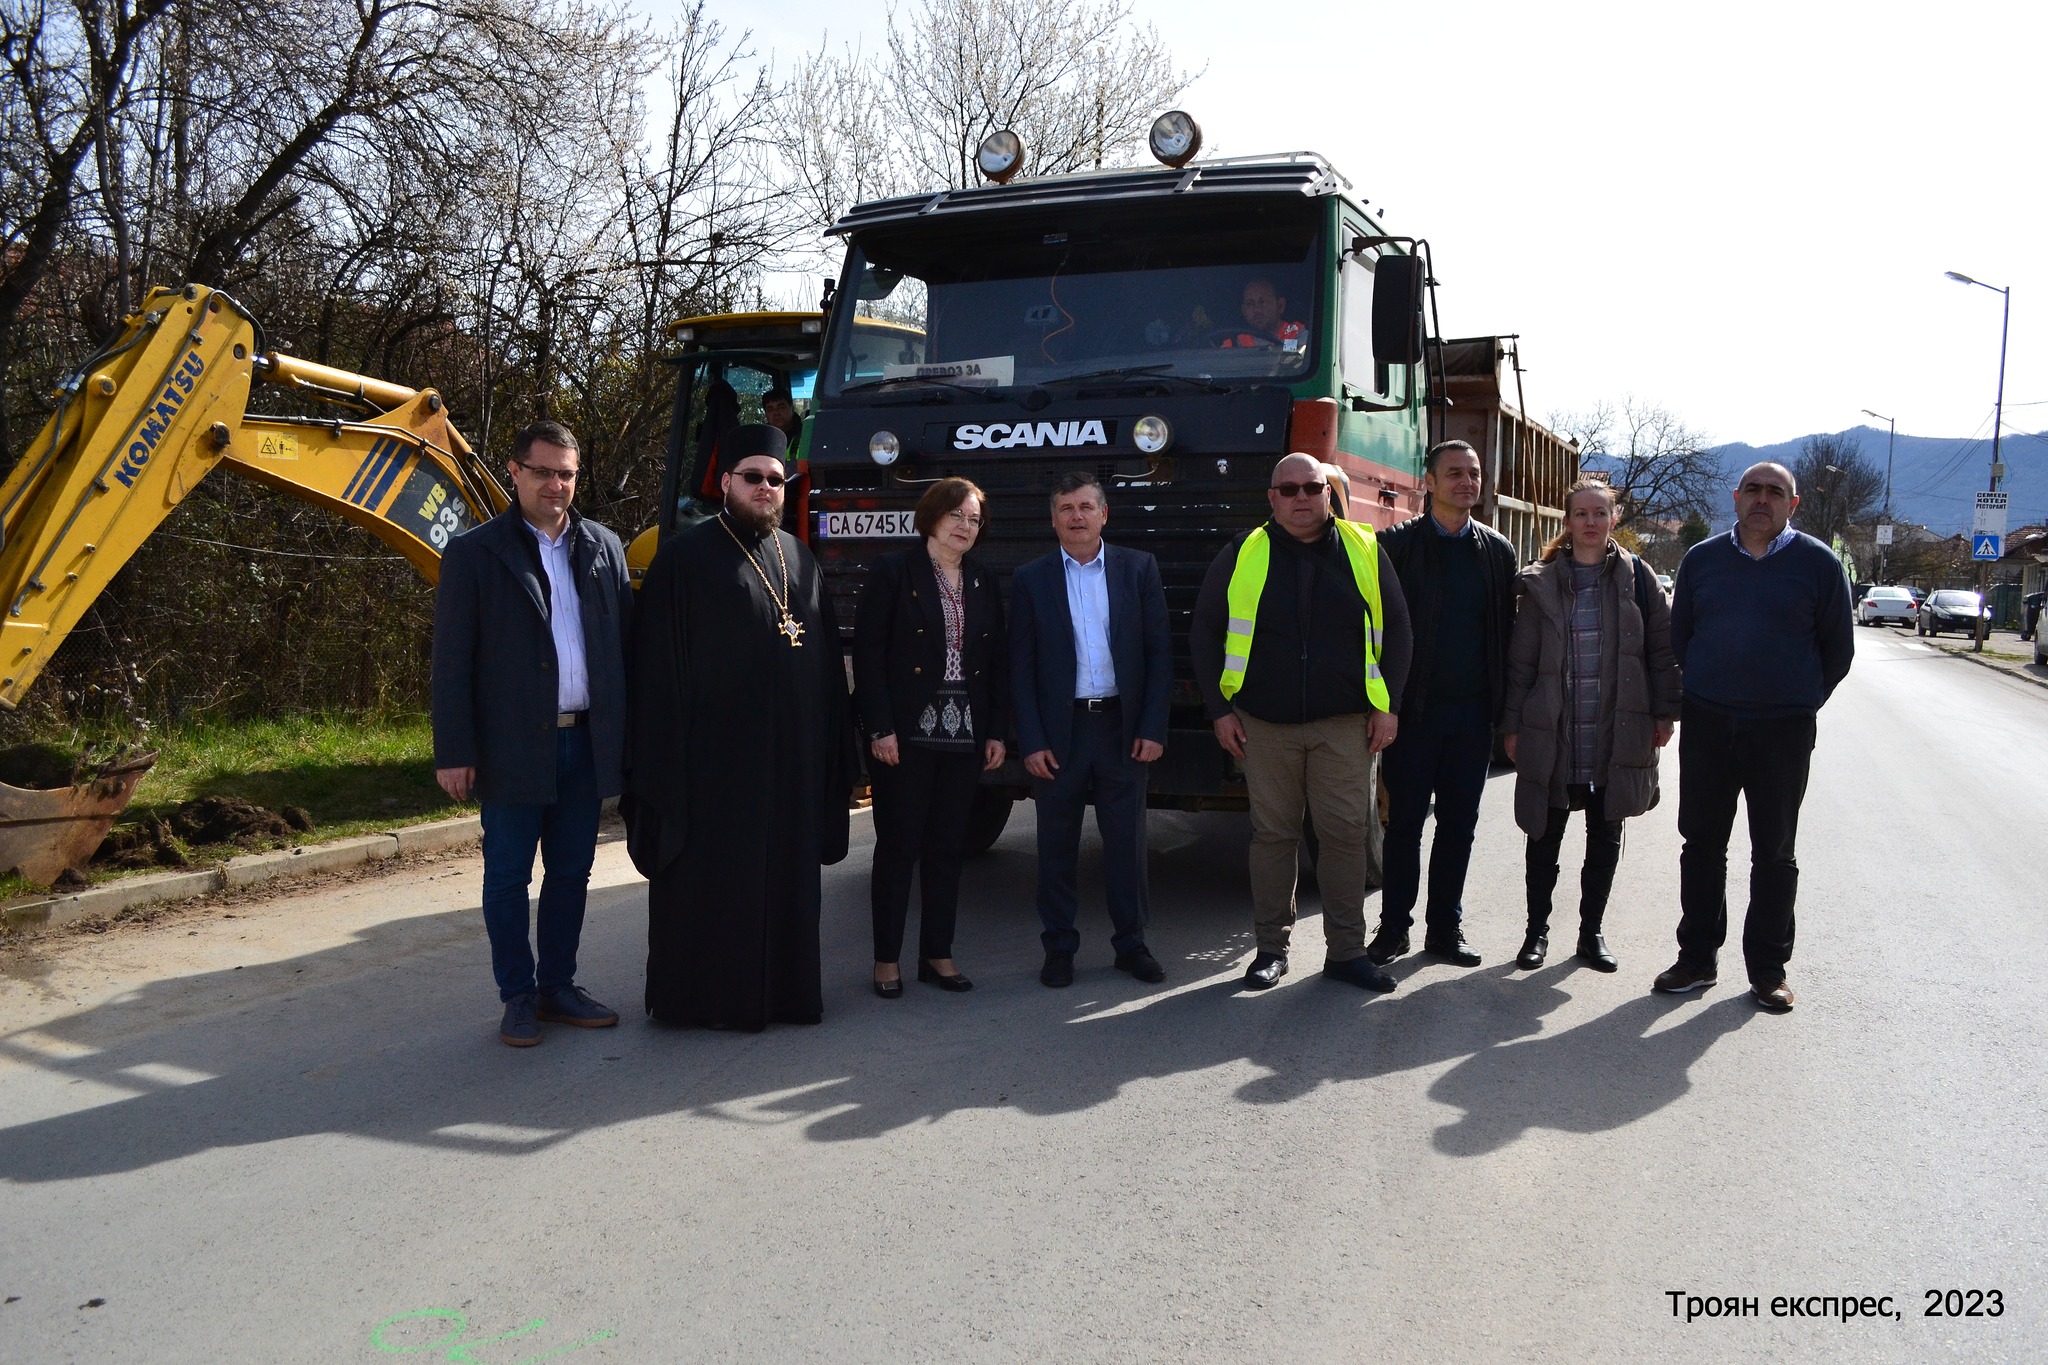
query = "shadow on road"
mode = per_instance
[{"x": 394, "y": 1039}]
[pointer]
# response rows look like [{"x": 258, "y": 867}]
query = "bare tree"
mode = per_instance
[
  {"x": 1837, "y": 485},
  {"x": 1078, "y": 80},
  {"x": 1663, "y": 469}
]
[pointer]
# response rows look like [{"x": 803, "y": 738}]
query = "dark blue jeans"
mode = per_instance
[
  {"x": 565, "y": 832},
  {"x": 1097, "y": 761},
  {"x": 1443, "y": 754}
]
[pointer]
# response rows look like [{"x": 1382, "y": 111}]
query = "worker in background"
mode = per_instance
[
  {"x": 1300, "y": 642},
  {"x": 1458, "y": 575},
  {"x": 1266, "y": 326},
  {"x": 529, "y": 706},
  {"x": 779, "y": 411}
]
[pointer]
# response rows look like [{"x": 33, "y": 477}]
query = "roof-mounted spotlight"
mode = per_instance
[
  {"x": 1001, "y": 156},
  {"x": 1175, "y": 138}
]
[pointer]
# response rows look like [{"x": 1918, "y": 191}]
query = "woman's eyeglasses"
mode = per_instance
[{"x": 967, "y": 519}]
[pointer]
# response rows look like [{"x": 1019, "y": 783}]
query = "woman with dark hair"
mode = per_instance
[
  {"x": 1593, "y": 692},
  {"x": 931, "y": 677}
]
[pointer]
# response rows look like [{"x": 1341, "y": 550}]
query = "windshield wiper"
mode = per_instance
[
  {"x": 932, "y": 386},
  {"x": 1163, "y": 371}
]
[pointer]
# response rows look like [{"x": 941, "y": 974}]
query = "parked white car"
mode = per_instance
[{"x": 1885, "y": 604}]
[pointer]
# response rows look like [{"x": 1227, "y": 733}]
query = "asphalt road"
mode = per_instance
[{"x": 292, "y": 1135}]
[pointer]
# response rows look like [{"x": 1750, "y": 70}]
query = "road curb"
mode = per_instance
[
  {"x": 250, "y": 869},
  {"x": 2018, "y": 671}
]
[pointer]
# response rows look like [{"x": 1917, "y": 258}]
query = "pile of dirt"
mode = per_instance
[
  {"x": 161, "y": 842},
  {"x": 231, "y": 820}
]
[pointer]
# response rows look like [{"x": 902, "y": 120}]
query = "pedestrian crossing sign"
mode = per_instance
[{"x": 1985, "y": 547}]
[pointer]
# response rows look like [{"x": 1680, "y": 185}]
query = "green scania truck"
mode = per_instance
[{"x": 1175, "y": 330}]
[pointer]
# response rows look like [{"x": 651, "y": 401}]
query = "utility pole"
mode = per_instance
[
  {"x": 1884, "y": 543},
  {"x": 1997, "y": 430}
]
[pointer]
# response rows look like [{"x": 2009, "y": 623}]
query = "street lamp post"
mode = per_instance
[
  {"x": 1890, "y": 443},
  {"x": 1997, "y": 422}
]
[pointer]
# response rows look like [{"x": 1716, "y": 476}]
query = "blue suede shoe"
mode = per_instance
[
  {"x": 519, "y": 1028},
  {"x": 573, "y": 1005}
]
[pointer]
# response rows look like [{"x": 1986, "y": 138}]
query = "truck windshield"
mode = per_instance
[{"x": 1222, "y": 293}]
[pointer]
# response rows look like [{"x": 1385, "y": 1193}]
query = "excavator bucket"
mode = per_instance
[{"x": 44, "y": 832}]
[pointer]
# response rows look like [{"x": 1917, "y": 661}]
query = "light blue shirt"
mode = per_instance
[
  {"x": 1778, "y": 542},
  {"x": 565, "y": 621},
  {"x": 1438, "y": 527},
  {"x": 1088, "y": 605}
]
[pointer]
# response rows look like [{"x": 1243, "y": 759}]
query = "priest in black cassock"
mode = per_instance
[{"x": 739, "y": 755}]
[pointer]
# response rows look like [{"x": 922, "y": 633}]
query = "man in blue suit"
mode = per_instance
[{"x": 1092, "y": 667}]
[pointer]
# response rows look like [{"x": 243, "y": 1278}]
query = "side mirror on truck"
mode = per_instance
[{"x": 1397, "y": 310}]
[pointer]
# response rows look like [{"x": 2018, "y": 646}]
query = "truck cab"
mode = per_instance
[{"x": 1175, "y": 331}]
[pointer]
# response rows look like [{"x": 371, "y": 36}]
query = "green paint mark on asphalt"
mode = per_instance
[{"x": 458, "y": 1350}]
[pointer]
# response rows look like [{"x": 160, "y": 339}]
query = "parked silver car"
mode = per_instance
[{"x": 1885, "y": 604}]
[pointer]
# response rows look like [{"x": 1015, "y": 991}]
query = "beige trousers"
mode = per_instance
[{"x": 1325, "y": 767}]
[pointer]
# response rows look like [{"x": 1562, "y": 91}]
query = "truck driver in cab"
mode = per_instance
[{"x": 1264, "y": 310}]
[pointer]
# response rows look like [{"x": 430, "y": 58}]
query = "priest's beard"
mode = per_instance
[{"x": 760, "y": 523}]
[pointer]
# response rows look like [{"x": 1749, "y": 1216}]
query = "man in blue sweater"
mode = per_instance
[{"x": 1760, "y": 622}]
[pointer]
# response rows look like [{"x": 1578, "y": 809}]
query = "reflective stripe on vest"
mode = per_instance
[{"x": 1248, "y": 584}]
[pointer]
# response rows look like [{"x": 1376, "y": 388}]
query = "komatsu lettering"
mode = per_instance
[
  {"x": 158, "y": 424},
  {"x": 1004, "y": 435}
]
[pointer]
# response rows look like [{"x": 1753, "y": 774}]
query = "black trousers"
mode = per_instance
[
  {"x": 1596, "y": 878},
  {"x": 921, "y": 810},
  {"x": 1097, "y": 762},
  {"x": 1445, "y": 755},
  {"x": 1765, "y": 763}
]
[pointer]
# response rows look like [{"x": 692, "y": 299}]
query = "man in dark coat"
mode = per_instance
[
  {"x": 740, "y": 756},
  {"x": 1091, "y": 675},
  {"x": 1458, "y": 575},
  {"x": 530, "y": 629}
]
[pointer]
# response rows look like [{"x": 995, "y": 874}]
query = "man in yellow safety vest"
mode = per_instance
[{"x": 1301, "y": 642}]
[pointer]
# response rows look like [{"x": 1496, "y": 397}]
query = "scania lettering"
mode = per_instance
[{"x": 1003, "y": 435}]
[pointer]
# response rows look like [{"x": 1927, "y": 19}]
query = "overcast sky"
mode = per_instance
[{"x": 1741, "y": 211}]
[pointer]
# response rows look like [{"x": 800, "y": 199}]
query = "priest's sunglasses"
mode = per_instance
[
  {"x": 1313, "y": 489},
  {"x": 756, "y": 476}
]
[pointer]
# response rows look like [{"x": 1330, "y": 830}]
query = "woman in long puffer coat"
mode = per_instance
[{"x": 1593, "y": 694}]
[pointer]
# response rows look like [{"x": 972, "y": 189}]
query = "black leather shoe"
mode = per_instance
[
  {"x": 1141, "y": 964},
  {"x": 1534, "y": 949},
  {"x": 1453, "y": 950},
  {"x": 1058, "y": 969},
  {"x": 1593, "y": 952},
  {"x": 1386, "y": 945},
  {"x": 930, "y": 974},
  {"x": 889, "y": 990},
  {"x": 1265, "y": 971},
  {"x": 1360, "y": 972}
]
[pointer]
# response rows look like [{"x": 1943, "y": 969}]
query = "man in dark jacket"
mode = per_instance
[
  {"x": 1761, "y": 628},
  {"x": 1458, "y": 575},
  {"x": 1300, "y": 642},
  {"x": 1091, "y": 675},
  {"x": 530, "y": 624}
]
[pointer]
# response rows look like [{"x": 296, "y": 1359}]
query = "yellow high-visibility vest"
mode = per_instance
[{"x": 1248, "y": 582}]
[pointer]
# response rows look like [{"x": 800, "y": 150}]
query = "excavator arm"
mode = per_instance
[{"x": 160, "y": 407}]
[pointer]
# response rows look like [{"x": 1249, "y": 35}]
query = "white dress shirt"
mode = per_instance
[
  {"x": 565, "y": 621},
  {"x": 1088, "y": 605}
]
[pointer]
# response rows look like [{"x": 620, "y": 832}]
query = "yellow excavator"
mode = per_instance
[{"x": 136, "y": 428}]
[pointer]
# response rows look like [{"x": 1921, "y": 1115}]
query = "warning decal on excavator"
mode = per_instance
[
  {"x": 430, "y": 509},
  {"x": 276, "y": 445}
]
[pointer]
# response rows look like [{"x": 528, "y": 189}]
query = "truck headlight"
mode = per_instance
[
  {"x": 883, "y": 447},
  {"x": 1151, "y": 434},
  {"x": 1001, "y": 155},
  {"x": 1175, "y": 138}
]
